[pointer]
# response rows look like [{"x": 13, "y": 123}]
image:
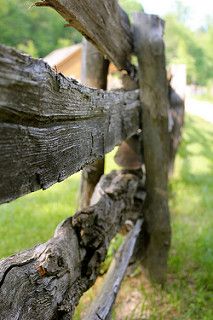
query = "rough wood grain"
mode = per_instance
[
  {"x": 46, "y": 282},
  {"x": 94, "y": 74},
  {"x": 51, "y": 126},
  {"x": 102, "y": 305},
  {"x": 149, "y": 47},
  {"x": 98, "y": 21}
]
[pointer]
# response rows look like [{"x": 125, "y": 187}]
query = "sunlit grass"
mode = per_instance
[
  {"x": 33, "y": 218},
  {"x": 191, "y": 258}
]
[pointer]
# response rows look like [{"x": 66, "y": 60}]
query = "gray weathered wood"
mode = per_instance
[
  {"x": 149, "y": 48},
  {"x": 177, "y": 110},
  {"x": 103, "y": 23},
  {"x": 102, "y": 305},
  {"x": 94, "y": 74},
  {"x": 129, "y": 153},
  {"x": 51, "y": 126},
  {"x": 46, "y": 282}
]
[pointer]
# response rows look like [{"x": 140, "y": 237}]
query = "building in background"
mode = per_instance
[{"x": 68, "y": 62}]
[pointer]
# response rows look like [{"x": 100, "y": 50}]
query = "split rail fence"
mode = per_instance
[{"x": 52, "y": 126}]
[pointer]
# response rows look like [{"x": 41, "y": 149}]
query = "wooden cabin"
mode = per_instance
[{"x": 68, "y": 62}]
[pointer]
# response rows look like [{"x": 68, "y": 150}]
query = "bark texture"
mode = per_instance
[
  {"x": 102, "y": 306},
  {"x": 149, "y": 48},
  {"x": 94, "y": 74},
  {"x": 98, "y": 21},
  {"x": 47, "y": 281},
  {"x": 51, "y": 126}
]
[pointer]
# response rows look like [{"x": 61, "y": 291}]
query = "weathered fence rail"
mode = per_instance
[
  {"x": 47, "y": 282},
  {"x": 51, "y": 126},
  {"x": 98, "y": 21},
  {"x": 102, "y": 306}
]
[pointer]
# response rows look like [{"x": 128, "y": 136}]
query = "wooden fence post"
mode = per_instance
[
  {"x": 94, "y": 74},
  {"x": 177, "y": 88},
  {"x": 149, "y": 47},
  {"x": 129, "y": 154}
]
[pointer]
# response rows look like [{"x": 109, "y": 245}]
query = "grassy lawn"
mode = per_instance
[
  {"x": 189, "y": 291},
  {"x": 33, "y": 218}
]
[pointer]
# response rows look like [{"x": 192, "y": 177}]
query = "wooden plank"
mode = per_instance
[
  {"x": 46, "y": 282},
  {"x": 51, "y": 126},
  {"x": 94, "y": 74},
  {"x": 98, "y": 21},
  {"x": 149, "y": 47},
  {"x": 102, "y": 305}
]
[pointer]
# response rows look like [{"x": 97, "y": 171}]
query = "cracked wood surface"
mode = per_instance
[
  {"x": 46, "y": 282},
  {"x": 51, "y": 126},
  {"x": 98, "y": 21}
]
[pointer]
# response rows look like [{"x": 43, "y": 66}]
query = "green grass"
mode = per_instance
[
  {"x": 191, "y": 258},
  {"x": 189, "y": 292},
  {"x": 205, "y": 97},
  {"x": 33, "y": 218}
]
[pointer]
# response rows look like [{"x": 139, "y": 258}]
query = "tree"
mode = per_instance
[
  {"x": 35, "y": 31},
  {"x": 185, "y": 46}
]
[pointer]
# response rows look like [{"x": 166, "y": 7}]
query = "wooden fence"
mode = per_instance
[{"x": 51, "y": 127}]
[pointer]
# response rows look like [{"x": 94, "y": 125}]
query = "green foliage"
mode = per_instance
[
  {"x": 34, "y": 30},
  {"x": 38, "y": 31},
  {"x": 131, "y": 6},
  {"x": 193, "y": 48},
  {"x": 33, "y": 218}
]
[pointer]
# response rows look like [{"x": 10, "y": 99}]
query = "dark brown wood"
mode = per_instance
[
  {"x": 103, "y": 23},
  {"x": 149, "y": 46},
  {"x": 46, "y": 282},
  {"x": 94, "y": 74},
  {"x": 51, "y": 126},
  {"x": 102, "y": 306}
]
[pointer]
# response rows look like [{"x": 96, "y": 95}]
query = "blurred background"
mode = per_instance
[
  {"x": 189, "y": 33},
  {"x": 31, "y": 219}
]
